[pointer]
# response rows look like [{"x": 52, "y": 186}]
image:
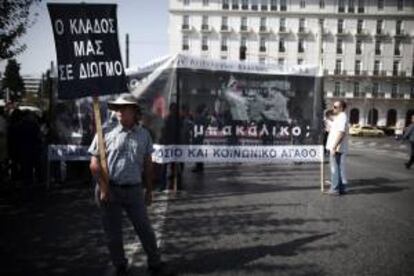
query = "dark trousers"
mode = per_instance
[
  {"x": 411, "y": 161},
  {"x": 131, "y": 200}
]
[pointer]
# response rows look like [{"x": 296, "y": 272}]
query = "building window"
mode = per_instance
[
  {"x": 337, "y": 90},
  {"x": 302, "y": 25},
  {"x": 301, "y": 45},
  {"x": 186, "y": 22},
  {"x": 224, "y": 23},
  {"x": 262, "y": 46},
  {"x": 397, "y": 48},
  {"x": 377, "y": 47},
  {"x": 282, "y": 47},
  {"x": 282, "y": 25},
  {"x": 360, "y": 25},
  {"x": 380, "y": 5},
  {"x": 302, "y": 4},
  {"x": 235, "y": 4},
  {"x": 340, "y": 26},
  {"x": 263, "y": 24},
  {"x": 283, "y": 6},
  {"x": 281, "y": 61},
  {"x": 204, "y": 43},
  {"x": 395, "y": 68},
  {"x": 341, "y": 6},
  {"x": 186, "y": 45},
  {"x": 300, "y": 61},
  {"x": 243, "y": 41},
  {"x": 351, "y": 6},
  {"x": 394, "y": 90},
  {"x": 375, "y": 89},
  {"x": 357, "y": 67},
  {"x": 245, "y": 4},
  {"x": 377, "y": 67},
  {"x": 186, "y": 2},
  {"x": 338, "y": 67},
  {"x": 321, "y": 4},
  {"x": 264, "y": 5},
  {"x": 379, "y": 26},
  {"x": 398, "y": 27},
  {"x": 358, "y": 49},
  {"x": 224, "y": 43},
  {"x": 356, "y": 89},
  {"x": 204, "y": 24},
  {"x": 205, "y": 2},
  {"x": 225, "y": 4},
  {"x": 361, "y": 6},
  {"x": 339, "y": 46},
  {"x": 243, "y": 25},
  {"x": 254, "y": 5},
  {"x": 400, "y": 5},
  {"x": 273, "y": 5}
]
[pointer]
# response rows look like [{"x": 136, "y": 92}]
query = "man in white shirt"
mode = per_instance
[{"x": 337, "y": 145}]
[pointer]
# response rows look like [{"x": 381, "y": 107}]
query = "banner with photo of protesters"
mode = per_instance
[{"x": 201, "y": 110}]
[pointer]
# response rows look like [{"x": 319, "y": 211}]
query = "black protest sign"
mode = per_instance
[{"x": 88, "y": 56}]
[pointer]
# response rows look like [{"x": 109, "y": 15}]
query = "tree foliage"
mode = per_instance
[
  {"x": 15, "y": 19},
  {"x": 13, "y": 81}
]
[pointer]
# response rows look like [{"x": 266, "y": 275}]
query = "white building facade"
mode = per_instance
[{"x": 366, "y": 47}]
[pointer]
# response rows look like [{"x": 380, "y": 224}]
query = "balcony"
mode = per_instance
[
  {"x": 381, "y": 34},
  {"x": 225, "y": 29},
  {"x": 303, "y": 32},
  {"x": 244, "y": 29},
  {"x": 284, "y": 32},
  {"x": 342, "y": 33},
  {"x": 186, "y": 28},
  {"x": 264, "y": 30},
  {"x": 401, "y": 34},
  {"x": 205, "y": 28},
  {"x": 362, "y": 33}
]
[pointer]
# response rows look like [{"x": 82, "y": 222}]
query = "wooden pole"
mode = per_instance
[
  {"x": 101, "y": 141},
  {"x": 320, "y": 73}
]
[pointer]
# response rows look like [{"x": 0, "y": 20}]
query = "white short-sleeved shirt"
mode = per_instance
[{"x": 339, "y": 124}]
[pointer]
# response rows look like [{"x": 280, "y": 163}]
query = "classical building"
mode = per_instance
[{"x": 366, "y": 46}]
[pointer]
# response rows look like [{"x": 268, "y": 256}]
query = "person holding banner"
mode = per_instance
[
  {"x": 337, "y": 145},
  {"x": 128, "y": 148}
]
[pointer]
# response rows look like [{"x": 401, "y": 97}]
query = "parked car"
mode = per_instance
[{"x": 358, "y": 130}]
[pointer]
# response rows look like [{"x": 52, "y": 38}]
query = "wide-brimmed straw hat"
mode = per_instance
[{"x": 124, "y": 99}]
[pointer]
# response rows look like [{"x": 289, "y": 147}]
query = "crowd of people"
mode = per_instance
[{"x": 23, "y": 142}]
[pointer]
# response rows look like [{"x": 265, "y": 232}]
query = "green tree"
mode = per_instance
[
  {"x": 14, "y": 20},
  {"x": 13, "y": 81}
]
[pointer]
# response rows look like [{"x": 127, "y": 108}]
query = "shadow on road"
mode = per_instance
[{"x": 378, "y": 185}]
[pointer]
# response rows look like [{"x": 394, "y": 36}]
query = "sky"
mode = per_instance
[{"x": 146, "y": 22}]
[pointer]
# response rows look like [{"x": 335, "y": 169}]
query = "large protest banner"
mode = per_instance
[{"x": 203, "y": 110}]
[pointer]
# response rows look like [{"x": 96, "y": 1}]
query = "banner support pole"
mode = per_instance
[{"x": 101, "y": 142}]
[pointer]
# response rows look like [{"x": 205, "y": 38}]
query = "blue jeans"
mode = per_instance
[{"x": 337, "y": 178}]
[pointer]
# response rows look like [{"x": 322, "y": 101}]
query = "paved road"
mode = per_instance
[{"x": 233, "y": 220}]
